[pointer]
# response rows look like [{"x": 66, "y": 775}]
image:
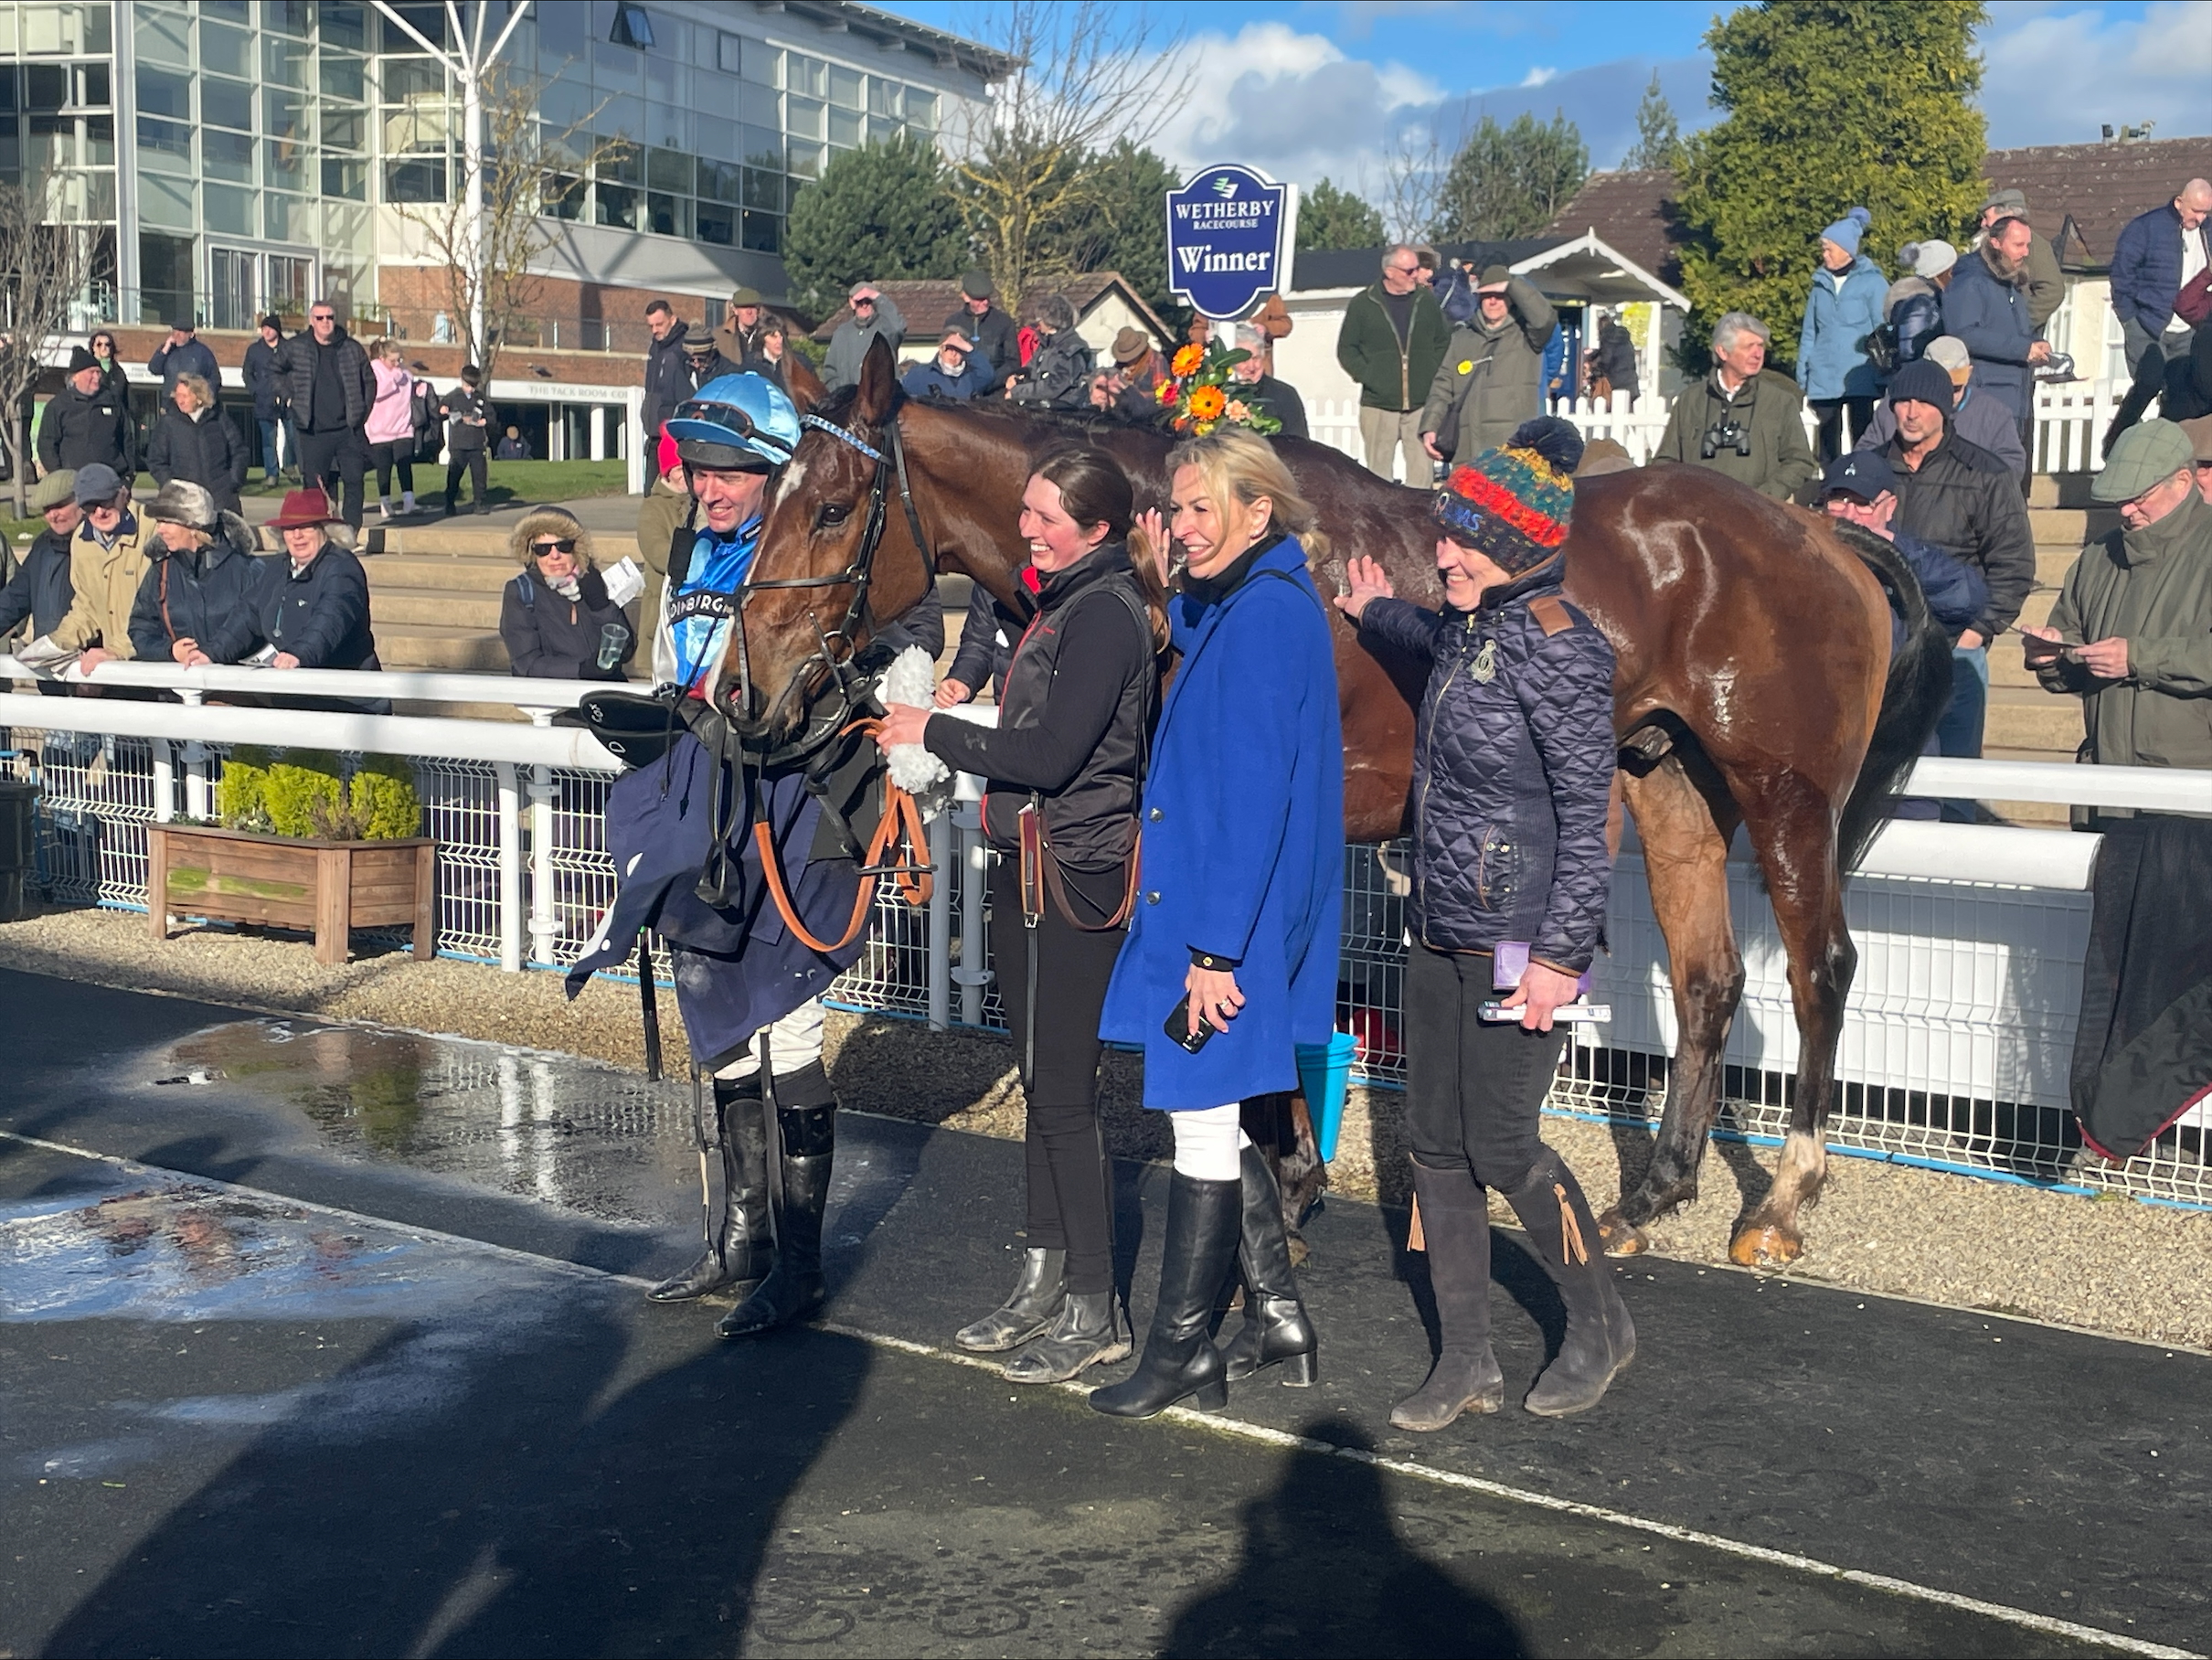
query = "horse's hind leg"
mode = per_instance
[
  {"x": 1685, "y": 824},
  {"x": 1794, "y": 829},
  {"x": 1282, "y": 1129}
]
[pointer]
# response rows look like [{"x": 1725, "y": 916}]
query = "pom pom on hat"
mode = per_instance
[
  {"x": 1845, "y": 232},
  {"x": 1555, "y": 440}
]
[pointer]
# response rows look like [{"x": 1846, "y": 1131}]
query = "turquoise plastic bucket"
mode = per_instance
[{"x": 1325, "y": 1073}]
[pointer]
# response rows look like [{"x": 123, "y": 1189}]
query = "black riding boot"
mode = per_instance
[
  {"x": 1455, "y": 1217},
  {"x": 1276, "y": 1328},
  {"x": 1179, "y": 1361},
  {"x": 1601, "y": 1338},
  {"x": 794, "y": 1289},
  {"x": 1093, "y": 1326},
  {"x": 1028, "y": 1311},
  {"x": 737, "y": 1254}
]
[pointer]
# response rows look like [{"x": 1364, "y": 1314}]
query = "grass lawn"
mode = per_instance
[{"x": 512, "y": 481}]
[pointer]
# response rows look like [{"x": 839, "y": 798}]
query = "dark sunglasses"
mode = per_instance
[
  {"x": 565, "y": 545},
  {"x": 324, "y": 317},
  {"x": 864, "y": 300}
]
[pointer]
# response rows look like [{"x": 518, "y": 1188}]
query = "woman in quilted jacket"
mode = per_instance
[{"x": 1513, "y": 768}]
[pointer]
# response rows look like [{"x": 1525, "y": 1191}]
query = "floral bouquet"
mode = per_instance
[{"x": 1203, "y": 395}]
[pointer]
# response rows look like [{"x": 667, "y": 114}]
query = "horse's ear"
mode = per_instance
[
  {"x": 878, "y": 383},
  {"x": 806, "y": 388}
]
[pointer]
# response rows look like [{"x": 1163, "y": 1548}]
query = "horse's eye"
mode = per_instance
[{"x": 831, "y": 514}]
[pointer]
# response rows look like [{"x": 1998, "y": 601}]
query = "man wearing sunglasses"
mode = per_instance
[
  {"x": 326, "y": 378},
  {"x": 874, "y": 314}
]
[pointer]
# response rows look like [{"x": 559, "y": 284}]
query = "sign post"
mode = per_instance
[{"x": 1231, "y": 233}]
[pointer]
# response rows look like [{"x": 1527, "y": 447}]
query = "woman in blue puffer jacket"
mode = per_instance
[
  {"x": 1513, "y": 769},
  {"x": 1843, "y": 309}
]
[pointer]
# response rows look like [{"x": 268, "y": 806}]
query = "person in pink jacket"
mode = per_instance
[{"x": 391, "y": 426}]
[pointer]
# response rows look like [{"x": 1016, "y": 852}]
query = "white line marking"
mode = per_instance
[{"x": 1811, "y": 1567}]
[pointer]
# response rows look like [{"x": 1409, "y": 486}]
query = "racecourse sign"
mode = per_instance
[{"x": 1230, "y": 231}]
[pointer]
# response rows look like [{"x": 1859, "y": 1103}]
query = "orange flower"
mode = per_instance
[
  {"x": 1187, "y": 360},
  {"x": 1207, "y": 402}
]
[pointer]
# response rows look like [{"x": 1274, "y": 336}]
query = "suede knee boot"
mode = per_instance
[
  {"x": 1276, "y": 1327},
  {"x": 739, "y": 1251},
  {"x": 1465, "y": 1378},
  {"x": 1601, "y": 1338},
  {"x": 806, "y": 1120},
  {"x": 1180, "y": 1362}
]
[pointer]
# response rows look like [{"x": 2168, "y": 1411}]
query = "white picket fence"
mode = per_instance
[
  {"x": 2072, "y": 418},
  {"x": 1955, "y": 1049}
]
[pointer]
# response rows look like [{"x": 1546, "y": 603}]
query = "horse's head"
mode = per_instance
[{"x": 817, "y": 587}]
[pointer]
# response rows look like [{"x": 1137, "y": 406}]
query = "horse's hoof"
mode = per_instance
[
  {"x": 1620, "y": 1237},
  {"x": 1766, "y": 1247}
]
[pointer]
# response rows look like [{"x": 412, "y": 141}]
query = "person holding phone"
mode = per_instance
[
  {"x": 1066, "y": 765},
  {"x": 1512, "y": 770},
  {"x": 1231, "y": 959}
]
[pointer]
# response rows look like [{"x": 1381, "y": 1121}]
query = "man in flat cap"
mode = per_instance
[
  {"x": 40, "y": 591},
  {"x": 2131, "y": 633},
  {"x": 987, "y": 327}
]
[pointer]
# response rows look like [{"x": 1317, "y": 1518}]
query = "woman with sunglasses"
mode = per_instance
[{"x": 556, "y": 618}]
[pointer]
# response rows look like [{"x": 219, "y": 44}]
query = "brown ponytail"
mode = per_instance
[{"x": 1095, "y": 491}]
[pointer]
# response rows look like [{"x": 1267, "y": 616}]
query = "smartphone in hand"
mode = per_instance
[{"x": 1178, "y": 1028}]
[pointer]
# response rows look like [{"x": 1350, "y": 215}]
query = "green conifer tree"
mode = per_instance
[
  {"x": 880, "y": 213},
  {"x": 1331, "y": 218}
]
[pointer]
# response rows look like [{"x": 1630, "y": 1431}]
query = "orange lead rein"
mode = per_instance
[{"x": 900, "y": 814}]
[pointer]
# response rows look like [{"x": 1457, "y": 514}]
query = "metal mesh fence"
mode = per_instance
[{"x": 1955, "y": 1051}]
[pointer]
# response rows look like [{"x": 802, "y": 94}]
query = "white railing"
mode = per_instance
[
  {"x": 2072, "y": 419},
  {"x": 1955, "y": 1048}
]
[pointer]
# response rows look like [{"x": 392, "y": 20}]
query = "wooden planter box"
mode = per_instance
[{"x": 330, "y": 887}]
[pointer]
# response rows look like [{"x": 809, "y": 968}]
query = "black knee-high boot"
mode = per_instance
[
  {"x": 739, "y": 1251},
  {"x": 806, "y": 1121},
  {"x": 1180, "y": 1362},
  {"x": 1601, "y": 1337},
  {"x": 1455, "y": 1219},
  {"x": 1276, "y": 1327}
]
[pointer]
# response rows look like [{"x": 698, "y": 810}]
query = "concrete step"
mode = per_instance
[
  {"x": 2059, "y": 490},
  {"x": 2052, "y": 564},
  {"x": 2021, "y": 719},
  {"x": 467, "y": 538},
  {"x": 437, "y": 571},
  {"x": 407, "y": 607},
  {"x": 2071, "y": 527},
  {"x": 449, "y": 649}
]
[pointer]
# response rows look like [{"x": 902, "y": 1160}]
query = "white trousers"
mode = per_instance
[
  {"x": 1209, "y": 1142},
  {"x": 792, "y": 1042}
]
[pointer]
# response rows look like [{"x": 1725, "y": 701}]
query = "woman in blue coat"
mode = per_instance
[
  {"x": 1235, "y": 936},
  {"x": 1842, "y": 311}
]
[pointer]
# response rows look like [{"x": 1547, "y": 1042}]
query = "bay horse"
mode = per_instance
[{"x": 1755, "y": 687}]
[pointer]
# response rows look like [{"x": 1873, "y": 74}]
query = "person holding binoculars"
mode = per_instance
[
  {"x": 555, "y": 617},
  {"x": 1744, "y": 420}
]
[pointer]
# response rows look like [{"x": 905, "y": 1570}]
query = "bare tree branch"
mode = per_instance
[
  {"x": 43, "y": 267},
  {"x": 1413, "y": 183},
  {"x": 1032, "y": 159}
]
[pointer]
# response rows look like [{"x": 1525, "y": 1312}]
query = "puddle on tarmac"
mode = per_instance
[{"x": 546, "y": 1126}]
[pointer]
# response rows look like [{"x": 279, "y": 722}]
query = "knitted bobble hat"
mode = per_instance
[
  {"x": 1845, "y": 232},
  {"x": 1513, "y": 503}
]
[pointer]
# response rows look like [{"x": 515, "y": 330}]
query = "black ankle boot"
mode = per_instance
[
  {"x": 738, "y": 1252},
  {"x": 794, "y": 1288},
  {"x": 1028, "y": 1311},
  {"x": 1092, "y": 1330},
  {"x": 1455, "y": 1217},
  {"x": 1601, "y": 1338},
  {"x": 1276, "y": 1329},
  {"x": 1180, "y": 1362}
]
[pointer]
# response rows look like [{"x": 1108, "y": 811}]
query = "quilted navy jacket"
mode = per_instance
[{"x": 1513, "y": 763}]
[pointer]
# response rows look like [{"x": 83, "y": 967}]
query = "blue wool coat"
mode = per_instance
[
  {"x": 1990, "y": 317},
  {"x": 1840, "y": 312},
  {"x": 1243, "y": 852}
]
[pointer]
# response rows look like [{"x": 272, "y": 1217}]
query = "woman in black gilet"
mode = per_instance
[{"x": 1076, "y": 709}]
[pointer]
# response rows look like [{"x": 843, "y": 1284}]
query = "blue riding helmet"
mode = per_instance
[{"x": 740, "y": 422}]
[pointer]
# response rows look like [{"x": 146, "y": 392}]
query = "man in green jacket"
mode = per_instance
[
  {"x": 2131, "y": 630},
  {"x": 1392, "y": 339},
  {"x": 1743, "y": 418},
  {"x": 1491, "y": 380}
]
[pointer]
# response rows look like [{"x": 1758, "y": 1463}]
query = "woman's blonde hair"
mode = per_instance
[
  {"x": 384, "y": 343},
  {"x": 1240, "y": 465},
  {"x": 202, "y": 393},
  {"x": 558, "y": 523}
]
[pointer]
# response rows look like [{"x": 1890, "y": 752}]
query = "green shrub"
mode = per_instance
[
  {"x": 384, "y": 798},
  {"x": 304, "y": 793},
  {"x": 240, "y": 801}
]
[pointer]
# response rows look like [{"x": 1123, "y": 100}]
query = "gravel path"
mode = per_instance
[{"x": 2108, "y": 1264}]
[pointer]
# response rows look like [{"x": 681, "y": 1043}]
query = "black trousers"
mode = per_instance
[
  {"x": 479, "y": 472},
  {"x": 1828, "y": 440},
  {"x": 400, "y": 453},
  {"x": 343, "y": 455},
  {"x": 1070, "y": 1180},
  {"x": 1474, "y": 1090}
]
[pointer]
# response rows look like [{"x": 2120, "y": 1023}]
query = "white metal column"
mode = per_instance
[{"x": 510, "y": 869}]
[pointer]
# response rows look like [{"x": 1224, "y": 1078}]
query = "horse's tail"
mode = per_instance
[{"x": 1913, "y": 700}]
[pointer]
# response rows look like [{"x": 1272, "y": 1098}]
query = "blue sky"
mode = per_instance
[{"x": 1318, "y": 87}]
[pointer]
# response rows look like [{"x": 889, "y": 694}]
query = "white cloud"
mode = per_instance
[
  {"x": 2053, "y": 77},
  {"x": 1539, "y": 75}
]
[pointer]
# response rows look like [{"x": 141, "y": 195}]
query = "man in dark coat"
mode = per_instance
[
  {"x": 989, "y": 328},
  {"x": 1614, "y": 361},
  {"x": 40, "y": 591},
  {"x": 1987, "y": 307},
  {"x": 271, "y": 410},
  {"x": 1258, "y": 387},
  {"x": 668, "y": 374},
  {"x": 2154, "y": 255},
  {"x": 328, "y": 382},
  {"x": 1059, "y": 375},
  {"x": 197, "y": 602},
  {"x": 1391, "y": 340},
  {"x": 313, "y": 603},
  {"x": 1966, "y": 502},
  {"x": 956, "y": 371},
  {"x": 2182, "y": 384},
  {"x": 182, "y": 353},
  {"x": 86, "y": 423}
]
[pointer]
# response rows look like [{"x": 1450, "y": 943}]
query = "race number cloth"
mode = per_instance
[
  {"x": 738, "y": 966},
  {"x": 702, "y": 605}
]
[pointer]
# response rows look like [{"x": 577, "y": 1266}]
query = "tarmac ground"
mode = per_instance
[{"x": 322, "y": 1339}]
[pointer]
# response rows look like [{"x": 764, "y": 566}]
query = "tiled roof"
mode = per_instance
[
  {"x": 926, "y": 304},
  {"x": 1628, "y": 211},
  {"x": 2099, "y": 187}
]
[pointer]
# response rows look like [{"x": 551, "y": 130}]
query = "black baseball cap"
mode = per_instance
[{"x": 1861, "y": 473}]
